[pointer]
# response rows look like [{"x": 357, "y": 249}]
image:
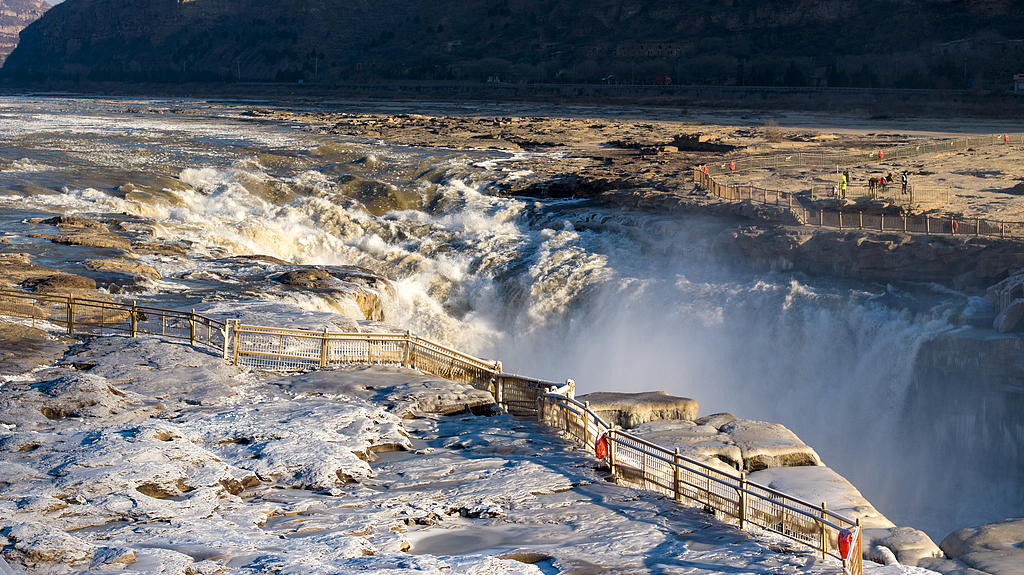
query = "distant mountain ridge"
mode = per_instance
[
  {"x": 15, "y": 15},
  {"x": 870, "y": 43}
]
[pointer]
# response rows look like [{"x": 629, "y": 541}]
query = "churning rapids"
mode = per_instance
[{"x": 555, "y": 289}]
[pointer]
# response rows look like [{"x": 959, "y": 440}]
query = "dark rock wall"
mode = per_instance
[{"x": 768, "y": 42}]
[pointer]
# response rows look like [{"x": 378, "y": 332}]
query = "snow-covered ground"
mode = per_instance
[{"x": 148, "y": 456}]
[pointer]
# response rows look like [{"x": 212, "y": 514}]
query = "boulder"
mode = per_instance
[
  {"x": 59, "y": 283},
  {"x": 996, "y": 548},
  {"x": 360, "y": 285},
  {"x": 764, "y": 445},
  {"x": 908, "y": 545},
  {"x": 37, "y": 543},
  {"x": 17, "y": 267},
  {"x": 1008, "y": 318},
  {"x": 629, "y": 410},
  {"x": 125, "y": 267},
  {"x": 71, "y": 222},
  {"x": 703, "y": 443},
  {"x": 742, "y": 445},
  {"x": 89, "y": 238},
  {"x": 158, "y": 249}
]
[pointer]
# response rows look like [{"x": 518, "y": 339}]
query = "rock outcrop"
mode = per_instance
[
  {"x": 742, "y": 445},
  {"x": 15, "y": 15},
  {"x": 996, "y": 548},
  {"x": 77, "y": 231},
  {"x": 628, "y": 410},
  {"x": 367, "y": 289}
]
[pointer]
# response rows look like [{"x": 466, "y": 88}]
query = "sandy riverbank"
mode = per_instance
[{"x": 632, "y": 148}]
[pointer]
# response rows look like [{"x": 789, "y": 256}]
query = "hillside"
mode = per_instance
[
  {"x": 872, "y": 43},
  {"x": 14, "y": 16}
]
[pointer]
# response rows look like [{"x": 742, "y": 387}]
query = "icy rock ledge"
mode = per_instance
[
  {"x": 775, "y": 457},
  {"x": 996, "y": 548},
  {"x": 627, "y": 410}
]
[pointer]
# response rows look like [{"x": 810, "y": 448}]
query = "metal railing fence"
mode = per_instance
[
  {"x": 857, "y": 219},
  {"x": 633, "y": 461},
  {"x": 99, "y": 317},
  {"x": 916, "y": 196},
  {"x": 642, "y": 464}
]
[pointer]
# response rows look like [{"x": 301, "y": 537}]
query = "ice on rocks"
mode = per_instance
[
  {"x": 740, "y": 444},
  {"x": 996, "y": 548},
  {"x": 150, "y": 366},
  {"x": 629, "y": 410},
  {"x": 406, "y": 393},
  {"x": 311, "y": 443},
  {"x": 39, "y": 543},
  {"x": 194, "y": 466},
  {"x": 884, "y": 542}
]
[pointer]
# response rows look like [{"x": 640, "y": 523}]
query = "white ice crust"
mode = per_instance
[{"x": 154, "y": 457}]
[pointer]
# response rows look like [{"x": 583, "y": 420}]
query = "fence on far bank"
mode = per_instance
[
  {"x": 775, "y": 161},
  {"x": 632, "y": 460},
  {"x": 854, "y": 217}
]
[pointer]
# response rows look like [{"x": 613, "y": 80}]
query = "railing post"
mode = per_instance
[
  {"x": 323, "y": 349},
  {"x": 840, "y": 220},
  {"x": 821, "y": 218},
  {"x": 611, "y": 451},
  {"x": 237, "y": 339},
  {"x": 407, "y": 354},
  {"x": 71, "y": 314},
  {"x": 498, "y": 391},
  {"x": 862, "y": 219},
  {"x": 134, "y": 319},
  {"x": 927, "y": 224},
  {"x": 858, "y": 557},
  {"x": 192, "y": 327},
  {"x": 586, "y": 424},
  {"x": 824, "y": 534},
  {"x": 226, "y": 333},
  {"x": 675, "y": 477},
  {"x": 904, "y": 224},
  {"x": 881, "y": 222},
  {"x": 743, "y": 499}
]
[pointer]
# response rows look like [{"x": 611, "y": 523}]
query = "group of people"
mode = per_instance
[{"x": 874, "y": 183}]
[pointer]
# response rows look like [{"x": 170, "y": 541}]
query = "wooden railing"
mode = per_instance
[
  {"x": 855, "y": 218},
  {"x": 633, "y": 461},
  {"x": 101, "y": 317},
  {"x": 639, "y": 463}
]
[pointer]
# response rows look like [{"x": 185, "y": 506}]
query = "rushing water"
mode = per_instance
[{"x": 556, "y": 289}]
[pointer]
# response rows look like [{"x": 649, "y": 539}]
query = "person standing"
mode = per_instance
[
  {"x": 903, "y": 181},
  {"x": 843, "y": 179}
]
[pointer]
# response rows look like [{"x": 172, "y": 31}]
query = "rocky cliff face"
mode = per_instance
[
  {"x": 719, "y": 41},
  {"x": 14, "y": 16}
]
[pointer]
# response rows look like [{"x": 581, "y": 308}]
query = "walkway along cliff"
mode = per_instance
[{"x": 632, "y": 460}]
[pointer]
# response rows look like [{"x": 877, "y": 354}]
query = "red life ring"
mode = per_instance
[
  {"x": 845, "y": 544},
  {"x": 601, "y": 446}
]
